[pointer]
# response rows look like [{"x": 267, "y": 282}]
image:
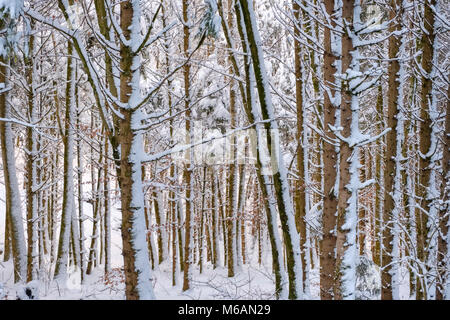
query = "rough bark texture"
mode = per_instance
[
  {"x": 300, "y": 185},
  {"x": 376, "y": 246},
  {"x": 348, "y": 166},
  {"x": 425, "y": 158},
  {"x": 13, "y": 207},
  {"x": 330, "y": 167},
  {"x": 31, "y": 163},
  {"x": 443, "y": 254},
  {"x": 68, "y": 190},
  {"x": 137, "y": 272},
  {"x": 391, "y": 153},
  {"x": 188, "y": 245}
]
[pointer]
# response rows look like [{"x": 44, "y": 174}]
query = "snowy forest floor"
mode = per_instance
[
  {"x": 253, "y": 281},
  {"x": 250, "y": 284}
]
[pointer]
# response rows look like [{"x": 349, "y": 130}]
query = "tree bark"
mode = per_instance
[
  {"x": 13, "y": 202},
  {"x": 135, "y": 252},
  {"x": 389, "y": 288},
  {"x": 425, "y": 151},
  {"x": 62, "y": 259},
  {"x": 188, "y": 245},
  {"x": 330, "y": 163}
]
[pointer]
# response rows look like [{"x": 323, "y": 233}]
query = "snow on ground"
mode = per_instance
[{"x": 253, "y": 282}]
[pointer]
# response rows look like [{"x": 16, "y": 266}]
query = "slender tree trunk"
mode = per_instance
[
  {"x": 13, "y": 202},
  {"x": 93, "y": 259},
  {"x": 80, "y": 198},
  {"x": 107, "y": 216},
  {"x": 215, "y": 220},
  {"x": 160, "y": 227},
  {"x": 232, "y": 185},
  {"x": 443, "y": 282},
  {"x": 377, "y": 218},
  {"x": 426, "y": 149},
  {"x": 248, "y": 100},
  {"x": 362, "y": 212},
  {"x": 136, "y": 261},
  {"x": 240, "y": 226},
  {"x": 389, "y": 274},
  {"x": 68, "y": 192},
  {"x": 330, "y": 161},
  {"x": 31, "y": 164},
  {"x": 281, "y": 186},
  {"x": 349, "y": 152},
  {"x": 7, "y": 248},
  {"x": 148, "y": 228},
  {"x": 300, "y": 186},
  {"x": 188, "y": 245}
]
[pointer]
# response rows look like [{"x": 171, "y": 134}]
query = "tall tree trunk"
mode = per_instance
[
  {"x": 248, "y": 99},
  {"x": 136, "y": 260},
  {"x": 346, "y": 247},
  {"x": 13, "y": 202},
  {"x": 93, "y": 258},
  {"x": 31, "y": 163},
  {"x": 300, "y": 186},
  {"x": 426, "y": 150},
  {"x": 188, "y": 245},
  {"x": 68, "y": 192},
  {"x": 81, "y": 216},
  {"x": 379, "y": 151},
  {"x": 160, "y": 226},
  {"x": 285, "y": 207},
  {"x": 443, "y": 281},
  {"x": 232, "y": 185},
  {"x": 215, "y": 219},
  {"x": 390, "y": 254},
  {"x": 330, "y": 160}
]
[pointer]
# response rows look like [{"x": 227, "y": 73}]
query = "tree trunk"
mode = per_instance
[
  {"x": 281, "y": 186},
  {"x": 188, "y": 245},
  {"x": 349, "y": 152},
  {"x": 68, "y": 192},
  {"x": 136, "y": 261},
  {"x": 377, "y": 218},
  {"x": 13, "y": 202},
  {"x": 300, "y": 186},
  {"x": 443, "y": 282},
  {"x": 389, "y": 273},
  {"x": 330, "y": 162},
  {"x": 31, "y": 164},
  {"x": 426, "y": 150}
]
